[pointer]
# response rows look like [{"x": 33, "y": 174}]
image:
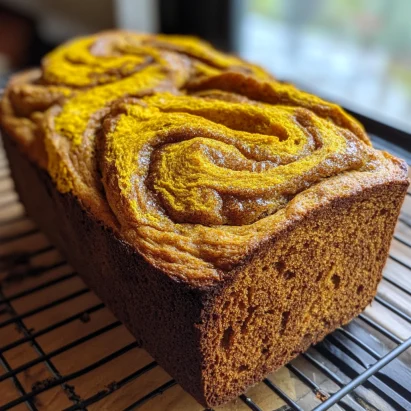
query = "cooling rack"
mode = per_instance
[{"x": 61, "y": 348}]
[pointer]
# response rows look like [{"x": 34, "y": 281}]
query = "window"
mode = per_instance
[{"x": 355, "y": 52}]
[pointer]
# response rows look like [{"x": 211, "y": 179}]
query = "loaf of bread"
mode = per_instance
[{"x": 228, "y": 219}]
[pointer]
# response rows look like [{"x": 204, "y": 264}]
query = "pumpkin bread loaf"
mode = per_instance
[{"x": 228, "y": 219}]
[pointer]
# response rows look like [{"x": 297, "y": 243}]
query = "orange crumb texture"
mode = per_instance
[{"x": 193, "y": 156}]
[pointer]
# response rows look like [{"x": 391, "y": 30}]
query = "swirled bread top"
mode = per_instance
[{"x": 192, "y": 156}]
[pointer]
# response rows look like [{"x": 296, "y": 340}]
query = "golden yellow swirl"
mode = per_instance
[
  {"x": 106, "y": 67},
  {"x": 195, "y": 181}
]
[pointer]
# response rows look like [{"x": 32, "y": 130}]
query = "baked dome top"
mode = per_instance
[{"x": 192, "y": 156}]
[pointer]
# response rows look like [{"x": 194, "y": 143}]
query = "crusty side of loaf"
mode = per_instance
[
  {"x": 299, "y": 286},
  {"x": 160, "y": 312}
]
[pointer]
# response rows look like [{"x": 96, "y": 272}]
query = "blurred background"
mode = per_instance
[{"x": 355, "y": 52}]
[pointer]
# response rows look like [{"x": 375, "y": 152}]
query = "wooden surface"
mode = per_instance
[{"x": 30, "y": 265}]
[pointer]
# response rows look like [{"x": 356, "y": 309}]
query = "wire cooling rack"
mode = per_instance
[{"x": 61, "y": 349}]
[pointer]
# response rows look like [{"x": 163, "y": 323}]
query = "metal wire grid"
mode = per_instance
[{"x": 351, "y": 367}]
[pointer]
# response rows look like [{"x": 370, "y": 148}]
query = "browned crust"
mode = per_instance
[{"x": 159, "y": 311}]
